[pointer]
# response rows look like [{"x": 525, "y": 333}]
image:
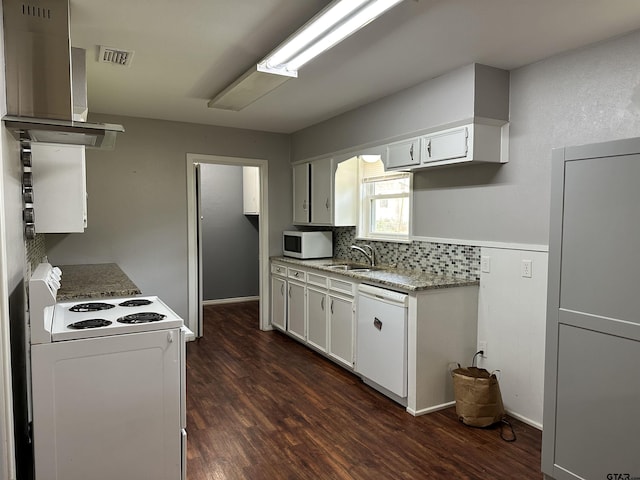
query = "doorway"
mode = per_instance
[{"x": 195, "y": 165}]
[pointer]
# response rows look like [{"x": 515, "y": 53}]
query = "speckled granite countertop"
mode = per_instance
[
  {"x": 408, "y": 280},
  {"x": 95, "y": 281}
]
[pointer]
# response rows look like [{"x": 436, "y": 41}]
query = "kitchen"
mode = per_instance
[{"x": 581, "y": 96}]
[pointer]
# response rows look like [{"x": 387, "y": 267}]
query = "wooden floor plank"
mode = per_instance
[{"x": 262, "y": 406}]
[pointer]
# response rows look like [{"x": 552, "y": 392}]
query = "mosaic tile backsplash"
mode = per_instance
[
  {"x": 36, "y": 251},
  {"x": 461, "y": 261}
]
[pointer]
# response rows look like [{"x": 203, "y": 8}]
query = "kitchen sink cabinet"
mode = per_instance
[
  {"x": 325, "y": 192},
  {"x": 441, "y": 327}
]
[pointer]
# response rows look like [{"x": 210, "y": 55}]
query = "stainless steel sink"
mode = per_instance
[{"x": 350, "y": 267}]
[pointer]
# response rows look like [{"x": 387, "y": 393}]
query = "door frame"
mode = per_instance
[{"x": 194, "y": 303}]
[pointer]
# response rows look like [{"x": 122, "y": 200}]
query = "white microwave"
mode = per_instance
[{"x": 317, "y": 244}]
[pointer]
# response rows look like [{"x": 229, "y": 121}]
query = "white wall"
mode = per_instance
[
  {"x": 137, "y": 200},
  {"x": 511, "y": 319}
]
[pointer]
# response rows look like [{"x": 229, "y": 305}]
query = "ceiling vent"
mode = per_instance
[{"x": 115, "y": 56}]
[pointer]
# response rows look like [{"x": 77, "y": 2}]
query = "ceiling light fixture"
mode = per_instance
[{"x": 337, "y": 21}]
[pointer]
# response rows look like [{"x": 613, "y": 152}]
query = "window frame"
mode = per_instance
[{"x": 364, "y": 229}]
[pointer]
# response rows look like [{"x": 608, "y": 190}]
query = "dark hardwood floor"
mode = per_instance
[{"x": 262, "y": 406}]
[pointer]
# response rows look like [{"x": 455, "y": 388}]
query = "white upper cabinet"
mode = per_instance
[
  {"x": 301, "y": 190},
  {"x": 403, "y": 154},
  {"x": 251, "y": 190},
  {"x": 445, "y": 145},
  {"x": 325, "y": 193},
  {"x": 59, "y": 188},
  {"x": 467, "y": 144},
  {"x": 322, "y": 191}
]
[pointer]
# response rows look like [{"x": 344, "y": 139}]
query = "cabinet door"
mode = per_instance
[
  {"x": 251, "y": 190},
  {"x": 317, "y": 318},
  {"x": 341, "y": 327},
  {"x": 403, "y": 154},
  {"x": 279, "y": 302},
  {"x": 59, "y": 186},
  {"x": 322, "y": 191},
  {"x": 445, "y": 145},
  {"x": 296, "y": 310},
  {"x": 301, "y": 210}
]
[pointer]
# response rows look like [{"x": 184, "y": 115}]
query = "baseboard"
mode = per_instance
[
  {"x": 221, "y": 301},
  {"x": 526, "y": 420},
  {"x": 435, "y": 408}
]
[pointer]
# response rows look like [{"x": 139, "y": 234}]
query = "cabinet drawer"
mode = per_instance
[
  {"x": 278, "y": 269},
  {"x": 318, "y": 280},
  {"x": 296, "y": 274},
  {"x": 342, "y": 286}
]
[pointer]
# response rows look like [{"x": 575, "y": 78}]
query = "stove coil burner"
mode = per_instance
[
  {"x": 90, "y": 323},
  {"x": 136, "y": 302},
  {"x": 91, "y": 307},
  {"x": 143, "y": 317}
]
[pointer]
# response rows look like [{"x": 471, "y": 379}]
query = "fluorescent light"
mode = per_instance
[
  {"x": 333, "y": 24},
  {"x": 309, "y": 33}
]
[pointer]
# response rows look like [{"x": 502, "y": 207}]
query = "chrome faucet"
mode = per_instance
[{"x": 371, "y": 255}]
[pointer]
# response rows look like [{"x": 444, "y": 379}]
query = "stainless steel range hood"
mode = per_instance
[{"x": 46, "y": 89}]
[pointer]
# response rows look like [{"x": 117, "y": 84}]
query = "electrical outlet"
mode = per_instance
[
  {"x": 485, "y": 264},
  {"x": 526, "y": 268},
  {"x": 483, "y": 346}
]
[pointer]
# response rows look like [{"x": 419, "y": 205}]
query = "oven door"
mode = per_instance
[{"x": 109, "y": 407}]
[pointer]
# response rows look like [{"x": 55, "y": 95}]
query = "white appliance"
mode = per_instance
[
  {"x": 108, "y": 386},
  {"x": 381, "y": 345},
  {"x": 316, "y": 244}
]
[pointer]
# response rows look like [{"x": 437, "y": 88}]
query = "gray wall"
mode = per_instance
[
  {"x": 138, "y": 202},
  {"x": 583, "y": 96},
  {"x": 230, "y": 239}
]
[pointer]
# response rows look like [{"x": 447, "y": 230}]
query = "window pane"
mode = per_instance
[
  {"x": 390, "y": 216},
  {"x": 386, "y": 187}
]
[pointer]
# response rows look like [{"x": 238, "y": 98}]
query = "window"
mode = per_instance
[{"x": 385, "y": 208}]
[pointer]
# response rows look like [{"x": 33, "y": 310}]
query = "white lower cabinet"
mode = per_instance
[
  {"x": 317, "y": 318},
  {"x": 318, "y": 311},
  {"x": 341, "y": 329},
  {"x": 279, "y": 302},
  {"x": 279, "y": 296},
  {"x": 296, "y": 310}
]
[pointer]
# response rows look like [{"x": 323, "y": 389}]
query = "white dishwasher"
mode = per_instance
[{"x": 381, "y": 345}]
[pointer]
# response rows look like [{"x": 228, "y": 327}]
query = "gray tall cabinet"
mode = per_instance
[{"x": 592, "y": 361}]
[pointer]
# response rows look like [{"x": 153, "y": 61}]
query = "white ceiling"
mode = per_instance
[{"x": 186, "y": 51}]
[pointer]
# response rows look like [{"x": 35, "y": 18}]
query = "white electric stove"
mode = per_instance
[{"x": 108, "y": 385}]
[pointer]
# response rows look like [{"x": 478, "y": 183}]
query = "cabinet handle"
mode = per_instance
[
  {"x": 377, "y": 323},
  {"x": 411, "y": 152},
  {"x": 282, "y": 289},
  {"x": 289, "y": 291},
  {"x": 331, "y": 307},
  {"x": 322, "y": 303},
  {"x": 296, "y": 274},
  {"x": 304, "y": 205},
  {"x": 429, "y": 147},
  {"x": 326, "y": 204}
]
